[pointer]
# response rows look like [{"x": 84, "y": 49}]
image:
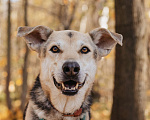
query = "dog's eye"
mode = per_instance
[
  {"x": 55, "y": 49},
  {"x": 85, "y": 50}
]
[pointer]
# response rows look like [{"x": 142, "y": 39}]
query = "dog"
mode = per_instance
[{"x": 68, "y": 62}]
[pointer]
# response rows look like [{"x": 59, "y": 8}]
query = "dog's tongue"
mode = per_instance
[{"x": 70, "y": 84}]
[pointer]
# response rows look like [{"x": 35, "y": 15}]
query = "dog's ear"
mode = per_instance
[
  {"x": 34, "y": 36},
  {"x": 105, "y": 40}
]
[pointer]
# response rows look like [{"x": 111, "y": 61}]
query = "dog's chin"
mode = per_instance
[{"x": 69, "y": 88}]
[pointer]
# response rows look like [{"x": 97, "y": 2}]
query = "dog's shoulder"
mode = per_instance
[{"x": 38, "y": 97}]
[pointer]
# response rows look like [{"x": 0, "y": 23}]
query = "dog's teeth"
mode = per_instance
[
  {"x": 67, "y": 88},
  {"x": 77, "y": 86},
  {"x": 73, "y": 88},
  {"x": 63, "y": 85}
]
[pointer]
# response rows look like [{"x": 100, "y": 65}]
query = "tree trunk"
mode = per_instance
[
  {"x": 8, "y": 99},
  {"x": 131, "y": 61},
  {"x": 25, "y": 73},
  {"x": 149, "y": 59}
]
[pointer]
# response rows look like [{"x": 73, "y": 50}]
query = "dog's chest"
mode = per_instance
[
  {"x": 59, "y": 117},
  {"x": 54, "y": 115}
]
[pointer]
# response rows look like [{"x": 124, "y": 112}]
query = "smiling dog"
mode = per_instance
[{"x": 68, "y": 62}]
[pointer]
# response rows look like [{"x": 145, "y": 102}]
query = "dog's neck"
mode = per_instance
[{"x": 42, "y": 101}]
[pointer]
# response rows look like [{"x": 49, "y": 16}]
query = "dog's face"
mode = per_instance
[{"x": 68, "y": 58}]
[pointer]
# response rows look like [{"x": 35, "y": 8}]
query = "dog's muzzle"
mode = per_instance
[{"x": 70, "y": 84}]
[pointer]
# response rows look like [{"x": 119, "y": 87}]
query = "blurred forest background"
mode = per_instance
[{"x": 19, "y": 66}]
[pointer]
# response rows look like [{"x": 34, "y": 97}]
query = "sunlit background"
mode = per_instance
[{"x": 80, "y": 15}]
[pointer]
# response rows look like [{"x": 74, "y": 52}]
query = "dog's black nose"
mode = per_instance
[{"x": 71, "y": 68}]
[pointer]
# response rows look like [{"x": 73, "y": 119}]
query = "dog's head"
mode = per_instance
[{"x": 68, "y": 58}]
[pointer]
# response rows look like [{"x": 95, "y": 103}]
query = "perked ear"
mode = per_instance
[
  {"x": 34, "y": 36},
  {"x": 105, "y": 40}
]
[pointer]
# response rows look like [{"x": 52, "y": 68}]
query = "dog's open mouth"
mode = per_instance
[{"x": 69, "y": 87}]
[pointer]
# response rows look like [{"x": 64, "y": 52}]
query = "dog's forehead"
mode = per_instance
[{"x": 70, "y": 36}]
